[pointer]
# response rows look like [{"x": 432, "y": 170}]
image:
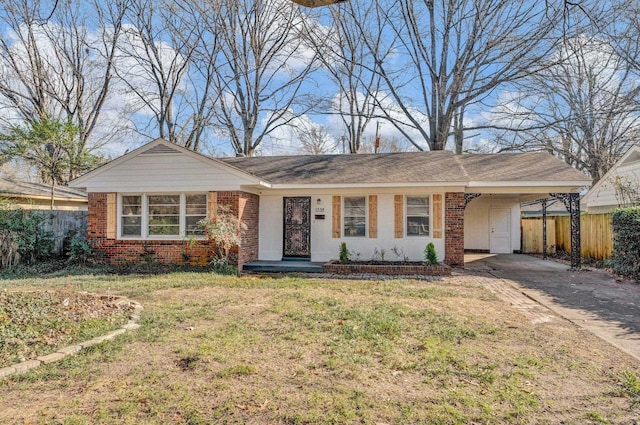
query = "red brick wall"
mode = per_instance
[
  {"x": 454, "y": 228},
  {"x": 170, "y": 251},
  {"x": 249, "y": 211}
]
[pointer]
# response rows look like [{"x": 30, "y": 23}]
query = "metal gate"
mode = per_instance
[{"x": 297, "y": 227}]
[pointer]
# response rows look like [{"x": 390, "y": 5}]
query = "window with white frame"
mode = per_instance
[
  {"x": 131, "y": 215},
  {"x": 417, "y": 216},
  {"x": 355, "y": 216},
  {"x": 162, "y": 215}
]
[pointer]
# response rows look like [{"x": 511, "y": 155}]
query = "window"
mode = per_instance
[
  {"x": 196, "y": 211},
  {"x": 162, "y": 215},
  {"x": 131, "y": 215},
  {"x": 417, "y": 216},
  {"x": 355, "y": 216}
]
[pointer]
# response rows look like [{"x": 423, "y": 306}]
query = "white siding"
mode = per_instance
[
  {"x": 323, "y": 246},
  {"x": 476, "y": 222},
  {"x": 166, "y": 173},
  {"x": 603, "y": 197}
]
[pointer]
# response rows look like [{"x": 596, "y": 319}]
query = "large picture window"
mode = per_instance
[
  {"x": 162, "y": 215},
  {"x": 355, "y": 216},
  {"x": 417, "y": 216}
]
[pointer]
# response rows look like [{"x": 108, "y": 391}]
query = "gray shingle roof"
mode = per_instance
[
  {"x": 407, "y": 167},
  {"x": 23, "y": 189}
]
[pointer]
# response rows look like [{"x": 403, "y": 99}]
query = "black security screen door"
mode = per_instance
[{"x": 297, "y": 227}]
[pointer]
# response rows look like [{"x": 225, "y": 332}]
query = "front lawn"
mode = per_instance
[{"x": 215, "y": 349}]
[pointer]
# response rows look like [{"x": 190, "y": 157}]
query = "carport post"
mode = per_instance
[
  {"x": 571, "y": 202},
  {"x": 544, "y": 229},
  {"x": 574, "y": 211}
]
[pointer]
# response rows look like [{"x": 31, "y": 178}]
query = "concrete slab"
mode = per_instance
[
  {"x": 7, "y": 371},
  {"x": 592, "y": 299},
  {"x": 50, "y": 358},
  {"x": 72, "y": 349},
  {"x": 26, "y": 366}
]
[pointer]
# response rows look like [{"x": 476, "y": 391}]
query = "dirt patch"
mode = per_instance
[{"x": 36, "y": 323}]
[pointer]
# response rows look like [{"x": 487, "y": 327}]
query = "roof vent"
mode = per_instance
[{"x": 160, "y": 150}]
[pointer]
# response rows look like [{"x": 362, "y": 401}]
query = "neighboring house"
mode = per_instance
[
  {"x": 619, "y": 187},
  {"x": 147, "y": 202},
  {"x": 555, "y": 208},
  {"x": 37, "y": 196}
]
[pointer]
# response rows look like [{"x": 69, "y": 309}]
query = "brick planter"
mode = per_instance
[{"x": 387, "y": 269}]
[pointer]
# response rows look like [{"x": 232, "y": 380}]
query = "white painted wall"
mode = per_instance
[
  {"x": 323, "y": 246},
  {"x": 602, "y": 198},
  {"x": 166, "y": 173},
  {"x": 476, "y": 221}
]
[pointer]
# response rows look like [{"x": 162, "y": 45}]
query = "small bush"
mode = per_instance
[
  {"x": 430, "y": 256},
  {"x": 626, "y": 242},
  {"x": 80, "y": 252},
  {"x": 344, "y": 253},
  {"x": 22, "y": 238},
  {"x": 225, "y": 230}
]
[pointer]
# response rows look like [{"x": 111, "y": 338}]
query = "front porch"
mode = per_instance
[{"x": 286, "y": 266}]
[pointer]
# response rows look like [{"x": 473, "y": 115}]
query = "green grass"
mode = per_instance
[
  {"x": 630, "y": 384},
  {"x": 290, "y": 350}
]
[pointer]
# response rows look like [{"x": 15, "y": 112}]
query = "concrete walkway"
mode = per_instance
[{"x": 592, "y": 299}]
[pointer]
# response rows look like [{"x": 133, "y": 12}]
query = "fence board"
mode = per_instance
[
  {"x": 595, "y": 233},
  {"x": 60, "y": 223},
  {"x": 532, "y": 236}
]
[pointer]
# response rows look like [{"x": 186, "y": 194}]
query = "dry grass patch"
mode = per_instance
[
  {"x": 307, "y": 351},
  {"x": 36, "y": 323}
]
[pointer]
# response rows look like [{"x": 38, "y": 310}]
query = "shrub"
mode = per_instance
[
  {"x": 626, "y": 242},
  {"x": 22, "y": 236},
  {"x": 430, "y": 256},
  {"x": 344, "y": 253},
  {"x": 225, "y": 230},
  {"x": 80, "y": 252}
]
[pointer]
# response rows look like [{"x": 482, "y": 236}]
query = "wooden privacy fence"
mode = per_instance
[
  {"x": 595, "y": 233},
  {"x": 532, "y": 235},
  {"x": 61, "y": 223}
]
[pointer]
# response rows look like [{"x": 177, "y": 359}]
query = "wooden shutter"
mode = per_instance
[
  {"x": 437, "y": 215},
  {"x": 373, "y": 216},
  {"x": 399, "y": 216},
  {"x": 112, "y": 216},
  {"x": 336, "y": 216},
  {"x": 212, "y": 205}
]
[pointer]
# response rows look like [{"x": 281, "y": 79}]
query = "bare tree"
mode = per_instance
[
  {"x": 167, "y": 62},
  {"x": 346, "y": 57},
  {"x": 585, "y": 108},
  {"x": 452, "y": 54},
  {"x": 58, "y": 68},
  {"x": 263, "y": 71},
  {"x": 315, "y": 140}
]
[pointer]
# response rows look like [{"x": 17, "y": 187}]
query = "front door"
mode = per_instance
[
  {"x": 297, "y": 227},
  {"x": 500, "y": 222}
]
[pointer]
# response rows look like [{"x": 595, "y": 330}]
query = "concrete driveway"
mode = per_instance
[{"x": 592, "y": 299}]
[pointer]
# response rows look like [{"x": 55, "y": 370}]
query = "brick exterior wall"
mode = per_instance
[
  {"x": 196, "y": 253},
  {"x": 454, "y": 228},
  {"x": 249, "y": 211},
  {"x": 388, "y": 270}
]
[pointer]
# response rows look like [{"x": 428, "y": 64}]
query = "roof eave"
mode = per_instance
[
  {"x": 572, "y": 183},
  {"x": 281, "y": 186}
]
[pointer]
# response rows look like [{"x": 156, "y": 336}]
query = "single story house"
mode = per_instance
[
  {"x": 37, "y": 196},
  {"x": 619, "y": 187},
  {"x": 147, "y": 203}
]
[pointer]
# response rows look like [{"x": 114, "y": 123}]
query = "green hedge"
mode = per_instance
[
  {"x": 22, "y": 237},
  {"x": 626, "y": 242}
]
